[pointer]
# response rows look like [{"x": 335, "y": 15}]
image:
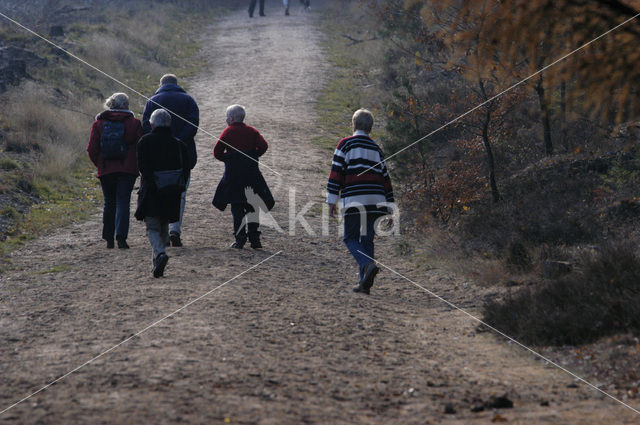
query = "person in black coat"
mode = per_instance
[
  {"x": 242, "y": 184},
  {"x": 160, "y": 151},
  {"x": 184, "y": 126}
]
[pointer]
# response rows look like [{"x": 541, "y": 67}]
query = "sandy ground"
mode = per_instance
[{"x": 285, "y": 343}]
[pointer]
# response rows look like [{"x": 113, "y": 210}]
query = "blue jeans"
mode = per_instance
[
  {"x": 358, "y": 236},
  {"x": 116, "y": 188},
  {"x": 177, "y": 226}
]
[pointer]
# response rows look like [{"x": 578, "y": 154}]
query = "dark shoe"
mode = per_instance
[
  {"x": 262, "y": 14},
  {"x": 238, "y": 244},
  {"x": 175, "y": 239},
  {"x": 286, "y": 12},
  {"x": 110, "y": 244},
  {"x": 361, "y": 290},
  {"x": 370, "y": 272},
  {"x": 255, "y": 244},
  {"x": 161, "y": 262},
  {"x": 122, "y": 242}
]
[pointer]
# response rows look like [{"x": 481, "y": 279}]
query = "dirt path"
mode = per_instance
[{"x": 285, "y": 343}]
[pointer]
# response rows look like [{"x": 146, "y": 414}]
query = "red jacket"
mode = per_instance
[
  {"x": 242, "y": 137},
  {"x": 132, "y": 133}
]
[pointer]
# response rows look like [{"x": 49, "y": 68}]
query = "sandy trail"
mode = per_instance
[{"x": 285, "y": 343}]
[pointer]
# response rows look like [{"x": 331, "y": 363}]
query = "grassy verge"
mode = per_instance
[
  {"x": 46, "y": 180},
  {"x": 351, "y": 83}
]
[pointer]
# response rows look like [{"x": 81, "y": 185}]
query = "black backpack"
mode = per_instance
[{"x": 112, "y": 143}]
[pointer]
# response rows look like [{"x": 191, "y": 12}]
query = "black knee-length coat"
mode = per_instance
[{"x": 159, "y": 151}]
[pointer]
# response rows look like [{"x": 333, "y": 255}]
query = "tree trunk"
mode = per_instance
[
  {"x": 487, "y": 147},
  {"x": 546, "y": 122},
  {"x": 563, "y": 116}
]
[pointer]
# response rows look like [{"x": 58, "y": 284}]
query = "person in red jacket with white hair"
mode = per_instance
[{"x": 112, "y": 148}]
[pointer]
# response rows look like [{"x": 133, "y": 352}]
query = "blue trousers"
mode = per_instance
[
  {"x": 116, "y": 188},
  {"x": 358, "y": 236}
]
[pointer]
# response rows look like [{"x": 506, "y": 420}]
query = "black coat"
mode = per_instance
[
  {"x": 159, "y": 151},
  {"x": 241, "y": 172}
]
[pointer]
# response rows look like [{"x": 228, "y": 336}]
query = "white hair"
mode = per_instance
[
  {"x": 236, "y": 113},
  {"x": 160, "y": 118},
  {"x": 117, "y": 101}
]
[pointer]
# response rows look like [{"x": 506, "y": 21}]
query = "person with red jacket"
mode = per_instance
[
  {"x": 242, "y": 184},
  {"x": 112, "y": 149}
]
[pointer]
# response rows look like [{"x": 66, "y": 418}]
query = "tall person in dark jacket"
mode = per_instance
[
  {"x": 159, "y": 151},
  {"x": 184, "y": 126},
  {"x": 117, "y": 171},
  {"x": 242, "y": 184}
]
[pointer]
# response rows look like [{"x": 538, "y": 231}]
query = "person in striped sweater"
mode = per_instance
[{"x": 360, "y": 180}]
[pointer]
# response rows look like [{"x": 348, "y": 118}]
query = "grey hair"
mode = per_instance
[
  {"x": 236, "y": 112},
  {"x": 363, "y": 120},
  {"x": 168, "y": 79},
  {"x": 117, "y": 101},
  {"x": 160, "y": 118}
]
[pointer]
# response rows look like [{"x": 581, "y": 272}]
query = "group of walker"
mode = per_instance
[
  {"x": 252, "y": 6},
  {"x": 161, "y": 149}
]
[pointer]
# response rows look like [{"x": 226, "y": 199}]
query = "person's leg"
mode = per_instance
[
  {"x": 252, "y": 7},
  {"x": 157, "y": 230},
  {"x": 352, "y": 240},
  {"x": 239, "y": 231},
  {"x": 262, "y": 8},
  {"x": 367, "y": 237},
  {"x": 175, "y": 229},
  {"x": 109, "y": 188},
  {"x": 124, "y": 184},
  {"x": 252, "y": 228}
]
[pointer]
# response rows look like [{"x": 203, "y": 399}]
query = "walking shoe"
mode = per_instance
[
  {"x": 110, "y": 244},
  {"x": 361, "y": 289},
  {"x": 238, "y": 244},
  {"x": 161, "y": 262},
  {"x": 370, "y": 272},
  {"x": 122, "y": 242},
  {"x": 255, "y": 244},
  {"x": 174, "y": 238}
]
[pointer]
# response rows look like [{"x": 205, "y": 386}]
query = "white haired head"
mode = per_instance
[
  {"x": 160, "y": 118},
  {"x": 235, "y": 113},
  {"x": 117, "y": 101}
]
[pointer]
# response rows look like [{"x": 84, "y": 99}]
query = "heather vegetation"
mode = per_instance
[
  {"x": 50, "y": 99},
  {"x": 535, "y": 189}
]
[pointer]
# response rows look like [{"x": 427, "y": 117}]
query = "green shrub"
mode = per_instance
[{"x": 602, "y": 299}]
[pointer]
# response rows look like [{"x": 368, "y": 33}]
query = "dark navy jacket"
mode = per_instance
[{"x": 173, "y": 98}]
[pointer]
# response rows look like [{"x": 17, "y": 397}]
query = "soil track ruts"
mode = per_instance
[{"x": 287, "y": 342}]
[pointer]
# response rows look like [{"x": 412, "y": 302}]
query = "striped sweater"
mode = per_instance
[{"x": 354, "y": 155}]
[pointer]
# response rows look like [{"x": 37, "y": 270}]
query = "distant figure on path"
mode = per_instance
[
  {"x": 239, "y": 147},
  {"x": 162, "y": 160},
  {"x": 365, "y": 198},
  {"x": 252, "y": 7},
  {"x": 184, "y": 126},
  {"x": 112, "y": 148}
]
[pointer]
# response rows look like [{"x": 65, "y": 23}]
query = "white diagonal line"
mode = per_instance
[
  {"x": 450, "y": 304},
  {"x": 137, "y": 334},
  {"x": 79, "y": 59},
  {"x": 503, "y": 92}
]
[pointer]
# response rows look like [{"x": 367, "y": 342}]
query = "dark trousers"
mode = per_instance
[
  {"x": 116, "y": 188},
  {"x": 242, "y": 230},
  {"x": 358, "y": 236},
  {"x": 252, "y": 7}
]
